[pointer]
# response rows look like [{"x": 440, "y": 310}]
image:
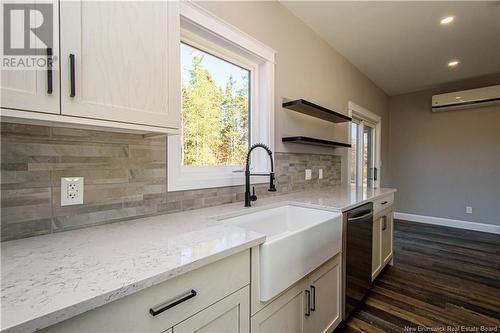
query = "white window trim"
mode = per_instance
[
  {"x": 262, "y": 101},
  {"x": 357, "y": 111}
]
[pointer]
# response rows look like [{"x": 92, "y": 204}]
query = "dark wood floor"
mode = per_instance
[{"x": 443, "y": 280}]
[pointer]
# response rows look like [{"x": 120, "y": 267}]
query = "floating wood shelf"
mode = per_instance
[
  {"x": 317, "y": 111},
  {"x": 313, "y": 141}
]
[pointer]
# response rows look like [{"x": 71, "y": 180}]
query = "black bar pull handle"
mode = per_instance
[
  {"x": 384, "y": 223},
  {"x": 157, "y": 309},
  {"x": 308, "y": 296},
  {"x": 49, "y": 70},
  {"x": 313, "y": 303},
  {"x": 72, "y": 92},
  {"x": 383, "y": 202}
]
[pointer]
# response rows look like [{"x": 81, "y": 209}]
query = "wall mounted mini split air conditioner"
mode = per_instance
[{"x": 464, "y": 99}]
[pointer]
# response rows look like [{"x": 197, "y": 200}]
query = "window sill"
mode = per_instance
[{"x": 198, "y": 181}]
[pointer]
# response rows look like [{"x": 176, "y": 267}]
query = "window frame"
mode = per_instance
[{"x": 224, "y": 41}]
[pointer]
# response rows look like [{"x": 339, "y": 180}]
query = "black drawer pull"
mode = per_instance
[
  {"x": 72, "y": 92},
  {"x": 49, "y": 70},
  {"x": 308, "y": 295},
  {"x": 157, "y": 309},
  {"x": 383, "y": 202},
  {"x": 313, "y": 303}
]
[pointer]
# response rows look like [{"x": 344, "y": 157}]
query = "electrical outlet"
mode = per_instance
[
  {"x": 71, "y": 191},
  {"x": 320, "y": 174},
  {"x": 308, "y": 174},
  {"x": 468, "y": 210}
]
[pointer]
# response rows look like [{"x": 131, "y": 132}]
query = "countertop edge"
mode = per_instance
[
  {"x": 357, "y": 204},
  {"x": 103, "y": 299}
]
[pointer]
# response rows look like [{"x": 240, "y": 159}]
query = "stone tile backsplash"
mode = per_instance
[{"x": 125, "y": 177}]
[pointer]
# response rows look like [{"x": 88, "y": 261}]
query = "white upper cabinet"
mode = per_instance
[
  {"x": 33, "y": 90},
  {"x": 118, "y": 69},
  {"x": 120, "y": 61}
]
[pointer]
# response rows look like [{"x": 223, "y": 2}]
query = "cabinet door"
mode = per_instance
[
  {"x": 377, "y": 247},
  {"x": 284, "y": 314},
  {"x": 120, "y": 61},
  {"x": 29, "y": 90},
  {"x": 325, "y": 288},
  {"x": 387, "y": 237},
  {"x": 231, "y": 315}
]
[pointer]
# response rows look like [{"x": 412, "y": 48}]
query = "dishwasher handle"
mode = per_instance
[{"x": 357, "y": 218}]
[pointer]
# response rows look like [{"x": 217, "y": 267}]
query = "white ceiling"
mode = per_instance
[{"x": 401, "y": 46}]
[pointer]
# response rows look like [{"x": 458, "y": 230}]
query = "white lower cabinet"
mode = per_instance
[
  {"x": 216, "y": 299},
  {"x": 377, "y": 246},
  {"x": 325, "y": 290},
  {"x": 229, "y": 315},
  {"x": 382, "y": 247},
  {"x": 387, "y": 237},
  {"x": 284, "y": 314},
  {"x": 204, "y": 304},
  {"x": 312, "y": 305}
]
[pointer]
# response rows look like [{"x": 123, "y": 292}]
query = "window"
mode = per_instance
[
  {"x": 215, "y": 109},
  {"x": 227, "y": 103},
  {"x": 364, "y": 157}
]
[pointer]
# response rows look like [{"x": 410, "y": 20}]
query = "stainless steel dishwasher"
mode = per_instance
[{"x": 357, "y": 249}]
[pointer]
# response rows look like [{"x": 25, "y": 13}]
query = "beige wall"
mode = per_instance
[
  {"x": 306, "y": 67},
  {"x": 442, "y": 162}
]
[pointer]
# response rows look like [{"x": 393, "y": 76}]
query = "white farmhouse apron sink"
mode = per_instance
[{"x": 299, "y": 239}]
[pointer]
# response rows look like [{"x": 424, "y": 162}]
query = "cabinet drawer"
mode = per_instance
[
  {"x": 231, "y": 314},
  {"x": 132, "y": 313},
  {"x": 382, "y": 203}
]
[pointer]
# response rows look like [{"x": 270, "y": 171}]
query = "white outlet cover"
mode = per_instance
[
  {"x": 468, "y": 210},
  {"x": 320, "y": 175},
  {"x": 71, "y": 191},
  {"x": 308, "y": 174}
]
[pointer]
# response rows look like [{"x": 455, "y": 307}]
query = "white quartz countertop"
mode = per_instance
[{"x": 50, "y": 278}]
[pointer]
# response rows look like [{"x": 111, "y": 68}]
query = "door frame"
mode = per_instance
[{"x": 375, "y": 120}]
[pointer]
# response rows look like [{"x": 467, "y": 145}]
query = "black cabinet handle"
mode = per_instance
[
  {"x": 383, "y": 202},
  {"x": 313, "y": 303},
  {"x": 308, "y": 295},
  {"x": 384, "y": 223},
  {"x": 72, "y": 75},
  {"x": 157, "y": 309},
  {"x": 49, "y": 70}
]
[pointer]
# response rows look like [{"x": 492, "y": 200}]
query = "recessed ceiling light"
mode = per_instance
[
  {"x": 447, "y": 20},
  {"x": 453, "y": 63}
]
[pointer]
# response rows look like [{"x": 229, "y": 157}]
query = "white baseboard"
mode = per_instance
[{"x": 494, "y": 229}]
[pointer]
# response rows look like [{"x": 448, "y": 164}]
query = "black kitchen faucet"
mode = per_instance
[{"x": 272, "y": 188}]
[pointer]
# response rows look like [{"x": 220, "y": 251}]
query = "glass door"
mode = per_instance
[
  {"x": 368, "y": 155},
  {"x": 363, "y": 171},
  {"x": 354, "y": 152}
]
